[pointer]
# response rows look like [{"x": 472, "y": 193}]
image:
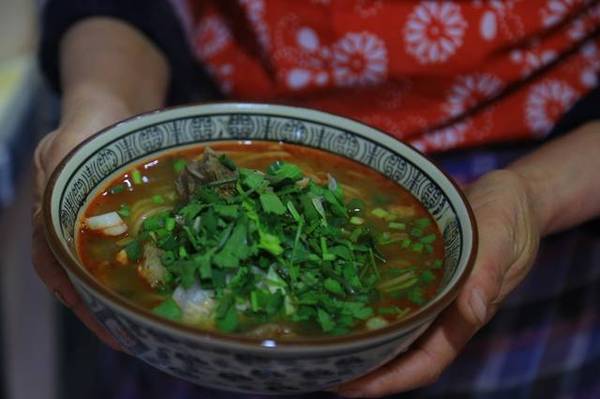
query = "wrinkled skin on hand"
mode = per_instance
[{"x": 508, "y": 242}]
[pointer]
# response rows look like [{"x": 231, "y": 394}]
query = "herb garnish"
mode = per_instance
[{"x": 278, "y": 246}]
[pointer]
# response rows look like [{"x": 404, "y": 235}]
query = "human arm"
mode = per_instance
[
  {"x": 552, "y": 189},
  {"x": 109, "y": 71}
]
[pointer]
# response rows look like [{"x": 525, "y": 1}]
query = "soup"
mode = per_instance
[{"x": 263, "y": 239}]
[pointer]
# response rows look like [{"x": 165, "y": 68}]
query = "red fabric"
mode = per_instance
[{"x": 439, "y": 74}]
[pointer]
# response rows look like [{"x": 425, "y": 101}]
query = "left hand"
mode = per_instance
[{"x": 508, "y": 241}]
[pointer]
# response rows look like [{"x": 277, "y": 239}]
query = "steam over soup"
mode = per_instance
[{"x": 265, "y": 240}]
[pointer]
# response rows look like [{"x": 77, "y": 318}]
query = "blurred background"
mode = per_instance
[{"x": 28, "y": 334}]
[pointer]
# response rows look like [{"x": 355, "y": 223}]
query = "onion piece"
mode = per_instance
[
  {"x": 109, "y": 224},
  {"x": 196, "y": 303},
  {"x": 151, "y": 268}
]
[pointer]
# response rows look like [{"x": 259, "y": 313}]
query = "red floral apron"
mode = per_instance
[{"x": 438, "y": 74}]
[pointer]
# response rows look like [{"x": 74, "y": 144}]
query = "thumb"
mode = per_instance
[
  {"x": 507, "y": 244},
  {"x": 479, "y": 297}
]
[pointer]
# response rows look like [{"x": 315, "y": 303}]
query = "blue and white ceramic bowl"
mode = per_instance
[{"x": 242, "y": 364}]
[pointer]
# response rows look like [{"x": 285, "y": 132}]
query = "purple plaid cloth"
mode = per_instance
[{"x": 543, "y": 343}]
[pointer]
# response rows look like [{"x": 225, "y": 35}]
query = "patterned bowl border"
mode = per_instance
[{"x": 92, "y": 163}]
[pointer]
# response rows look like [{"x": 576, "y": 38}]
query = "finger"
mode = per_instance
[
  {"x": 56, "y": 280},
  {"x": 423, "y": 364},
  {"x": 482, "y": 289}
]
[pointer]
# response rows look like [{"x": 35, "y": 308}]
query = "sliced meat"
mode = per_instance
[
  {"x": 109, "y": 224},
  {"x": 151, "y": 268},
  {"x": 208, "y": 170}
]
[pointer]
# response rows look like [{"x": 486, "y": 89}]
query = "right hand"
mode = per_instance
[{"x": 48, "y": 154}]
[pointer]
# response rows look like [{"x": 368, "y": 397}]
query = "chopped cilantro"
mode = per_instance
[
  {"x": 427, "y": 276},
  {"x": 422, "y": 223},
  {"x": 227, "y": 211},
  {"x": 169, "y": 310},
  {"x": 179, "y": 165},
  {"x": 428, "y": 239},
  {"x": 134, "y": 250},
  {"x": 271, "y": 203},
  {"x": 136, "y": 176},
  {"x": 158, "y": 199},
  {"x": 117, "y": 189},
  {"x": 229, "y": 322},
  {"x": 333, "y": 286},
  {"x": 280, "y": 246},
  {"x": 124, "y": 211},
  {"x": 253, "y": 179},
  {"x": 325, "y": 320},
  {"x": 415, "y": 295},
  {"x": 380, "y": 213},
  {"x": 227, "y": 162},
  {"x": 280, "y": 171},
  {"x": 397, "y": 226}
]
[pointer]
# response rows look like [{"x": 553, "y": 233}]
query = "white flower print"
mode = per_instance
[
  {"x": 498, "y": 16},
  {"x": 496, "y": 11},
  {"x": 353, "y": 60},
  {"x": 501, "y": 6},
  {"x": 469, "y": 91},
  {"x": 434, "y": 31},
  {"x": 255, "y": 12},
  {"x": 532, "y": 59},
  {"x": 443, "y": 138},
  {"x": 212, "y": 36},
  {"x": 591, "y": 57},
  {"x": 359, "y": 59},
  {"x": 556, "y": 11},
  {"x": 488, "y": 26},
  {"x": 307, "y": 39},
  {"x": 586, "y": 23},
  {"x": 313, "y": 67},
  {"x": 546, "y": 102}
]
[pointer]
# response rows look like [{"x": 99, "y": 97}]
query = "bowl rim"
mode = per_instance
[{"x": 116, "y": 301}]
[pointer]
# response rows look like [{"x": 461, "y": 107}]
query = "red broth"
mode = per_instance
[{"x": 408, "y": 237}]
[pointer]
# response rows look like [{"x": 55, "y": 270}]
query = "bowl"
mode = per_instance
[{"x": 243, "y": 364}]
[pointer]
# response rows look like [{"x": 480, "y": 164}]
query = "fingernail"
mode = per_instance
[{"x": 478, "y": 305}]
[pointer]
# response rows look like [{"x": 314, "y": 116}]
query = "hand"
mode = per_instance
[
  {"x": 508, "y": 241},
  {"x": 109, "y": 71},
  {"x": 50, "y": 151}
]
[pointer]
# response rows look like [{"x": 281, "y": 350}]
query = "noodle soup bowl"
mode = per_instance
[{"x": 240, "y": 363}]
